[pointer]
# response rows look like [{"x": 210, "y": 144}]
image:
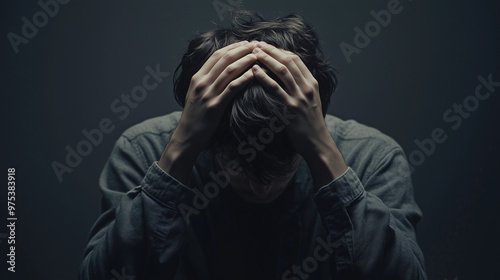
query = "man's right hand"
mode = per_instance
[{"x": 211, "y": 90}]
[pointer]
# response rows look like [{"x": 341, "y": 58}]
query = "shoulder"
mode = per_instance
[
  {"x": 352, "y": 130},
  {"x": 364, "y": 148},
  {"x": 149, "y": 138},
  {"x": 160, "y": 125}
]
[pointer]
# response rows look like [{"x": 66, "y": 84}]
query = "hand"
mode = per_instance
[
  {"x": 211, "y": 89},
  {"x": 307, "y": 131}
]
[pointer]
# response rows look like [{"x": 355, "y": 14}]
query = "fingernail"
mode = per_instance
[
  {"x": 243, "y": 43},
  {"x": 261, "y": 44},
  {"x": 256, "y": 50}
]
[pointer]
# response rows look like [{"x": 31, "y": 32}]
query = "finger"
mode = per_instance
[
  {"x": 232, "y": 71},
  {"x": 216, "y": 56},
  {"x": 227, "y": 58},
  {"x": 287, "y": 58},
  {"x": 269, "y": 83},
  {"x": 278, "y": 68},
  {"x": 234, "y": 87},
  {"x": 301, "y": 66}
]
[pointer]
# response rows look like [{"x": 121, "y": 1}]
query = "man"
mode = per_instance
[{"x": 253, "y": 180}]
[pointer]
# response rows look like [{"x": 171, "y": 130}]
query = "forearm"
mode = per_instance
[
  {"x": 385, "y": 247},
  {"x": 143, "y": 234},
  {"x": 324, "y": 160},
  {"x": 372, "y": 243},
  {"x": 179, "y": 157},
  {"x": 112, "y": 247}
]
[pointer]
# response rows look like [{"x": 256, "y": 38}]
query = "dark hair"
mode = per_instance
[{"x": 253, "y": 108}]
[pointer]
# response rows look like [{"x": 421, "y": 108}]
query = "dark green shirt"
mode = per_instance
[{"x": 359, "y": 226}]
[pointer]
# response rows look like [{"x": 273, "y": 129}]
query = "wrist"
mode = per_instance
[
  {"x": 325, "y": 162},
  {"x": 178, "y": 159}
]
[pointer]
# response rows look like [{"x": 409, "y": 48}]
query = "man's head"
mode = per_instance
[{"x": 253, "y": 112}]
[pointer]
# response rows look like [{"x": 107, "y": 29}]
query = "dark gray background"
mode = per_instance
[{"x": 424, "y": 61}]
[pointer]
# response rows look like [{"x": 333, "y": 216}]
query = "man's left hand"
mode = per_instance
[{"x": 307, "y": 131}]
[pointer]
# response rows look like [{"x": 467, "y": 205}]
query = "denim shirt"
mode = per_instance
[{"x": 359, "y": 226}]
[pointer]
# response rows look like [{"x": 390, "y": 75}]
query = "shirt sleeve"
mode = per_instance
[
  {"x": 373, "y": 225},
  {"x": 140, "y": 230}
]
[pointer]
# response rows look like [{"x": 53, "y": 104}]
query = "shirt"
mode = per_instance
[{"x": 359, "y": 226}]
